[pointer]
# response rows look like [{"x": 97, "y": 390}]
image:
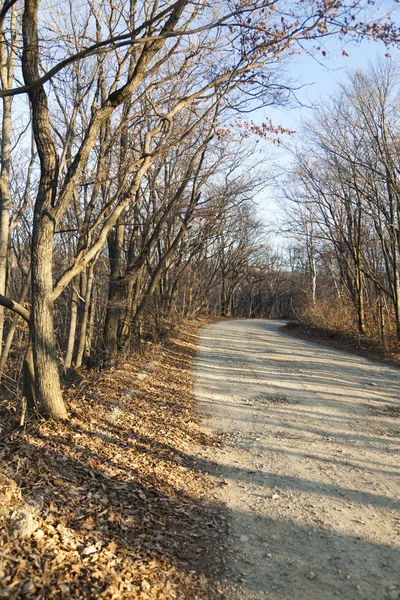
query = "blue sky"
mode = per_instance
[{"x": 320, "y": 76}]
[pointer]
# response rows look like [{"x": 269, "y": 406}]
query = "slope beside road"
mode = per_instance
[{"x": 309, "y": 468}]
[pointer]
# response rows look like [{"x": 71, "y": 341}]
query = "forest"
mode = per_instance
[
  {"x": 135, "y": 149},
  {"x": 128, "y": 177},
  {"x": 343, "y": 205}
]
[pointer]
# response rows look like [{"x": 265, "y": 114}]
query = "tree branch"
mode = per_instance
[
  {"x": 5, "y": 9},
  {"x": 126, "y": 39},
  {"x": 15, "y": 307}
]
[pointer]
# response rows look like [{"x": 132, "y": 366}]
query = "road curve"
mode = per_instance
[{"x": 310, "y": 467}]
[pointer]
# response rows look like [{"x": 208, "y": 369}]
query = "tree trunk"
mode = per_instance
[
  {"x": 47, "y": 379},
  {"x": 115, "y": 292},
  {"x": 223, "y": 295},
  {"x": 382, "y": 317},
  {"x": 10, "y": 335},
  {"x": 360, "y": 294},
  {"x": 28, "y": 385},
  {"x": 88, "y": 286},
  {"x": 313, "y": 281},
  {"x": 5, "y": 203},
  {"x": 132, "y": 304},
  {"x": 7, "y": 63},
  {"x": 72, "y": 326},
  {"x": 396, "y": 288},
  {"x": 92, "y": 314},
  {"x": 157, "y": 276}
]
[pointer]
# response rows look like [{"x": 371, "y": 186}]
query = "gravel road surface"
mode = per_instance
[{"x": 309, "y": 470}]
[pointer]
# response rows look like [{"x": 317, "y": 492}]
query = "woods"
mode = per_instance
[
  {"x": 345, "y": 203},
  {"x": 125, "y": 190},
  {"x": 141, "y": 165}
]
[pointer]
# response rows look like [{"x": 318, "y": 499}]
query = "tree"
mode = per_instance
[
  {"x": 347, "y": 181},
  {"x": 133, "y": 50}
]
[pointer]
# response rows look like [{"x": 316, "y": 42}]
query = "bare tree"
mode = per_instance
[{"x": 125, "y": 61}]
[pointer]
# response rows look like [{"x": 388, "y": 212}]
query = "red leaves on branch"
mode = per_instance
[{"x": 266, "y": 130}]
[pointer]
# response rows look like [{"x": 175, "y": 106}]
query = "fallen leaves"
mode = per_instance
[{"x": 121, "y": 508}]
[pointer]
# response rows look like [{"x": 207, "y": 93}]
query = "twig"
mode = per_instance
[
  {"x": 23, "y": 414},
  {"x": 16, "y": 560}
]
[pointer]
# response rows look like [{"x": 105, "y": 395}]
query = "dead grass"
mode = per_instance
[
  {"x": 349, "y": 341},
  {"x": 120, "y": 506}
]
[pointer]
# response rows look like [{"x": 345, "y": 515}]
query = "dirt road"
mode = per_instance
[{"x": 310, "y": 466}]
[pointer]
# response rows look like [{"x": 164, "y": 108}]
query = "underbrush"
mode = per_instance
[
  {"x": 335, "y": 325},
  {"x": 335, "y": 316}
]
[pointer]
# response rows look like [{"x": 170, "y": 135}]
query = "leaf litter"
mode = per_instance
[{"x": 114, "y": 508}]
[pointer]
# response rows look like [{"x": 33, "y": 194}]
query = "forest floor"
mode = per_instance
[
  {"x": 309, "y": 470},
  {"x": 112, "y": 504}
]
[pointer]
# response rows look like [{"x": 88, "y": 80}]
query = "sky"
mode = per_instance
[
  {"x": 320, "y": 77},
  {"x": 318, "y": 80}
]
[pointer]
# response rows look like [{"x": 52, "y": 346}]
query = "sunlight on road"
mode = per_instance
[{"x": 310, "y": 464}]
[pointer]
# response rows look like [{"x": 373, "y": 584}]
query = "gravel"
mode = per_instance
[{"x": 311, "y": 461}]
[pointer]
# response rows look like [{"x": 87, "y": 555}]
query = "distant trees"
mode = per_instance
[{"x": 347, "y": 188}]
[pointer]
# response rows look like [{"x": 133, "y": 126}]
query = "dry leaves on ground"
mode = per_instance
[{"x": 111, "y": 507}]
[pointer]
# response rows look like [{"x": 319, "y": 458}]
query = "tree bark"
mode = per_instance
[
  {"x": 132, "y": 304},
  {"x": 47, "y": 378},
  {"x": 115, "y": 292},
  {"x": 28, "y": 384},
  {"x": 72, "y": 327},
  {"x": 83, "y": 349},
  {"x": 92, "y": 314}
]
